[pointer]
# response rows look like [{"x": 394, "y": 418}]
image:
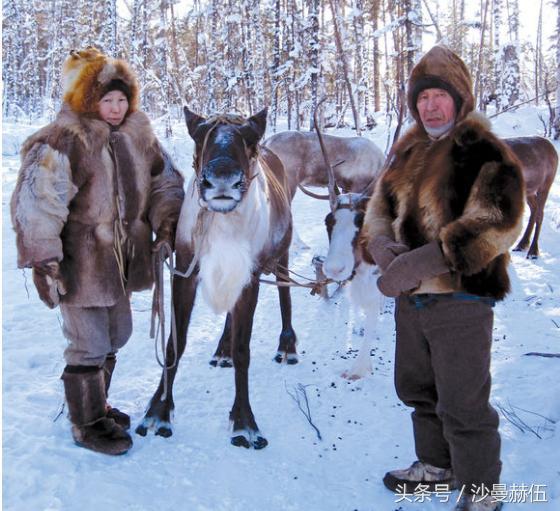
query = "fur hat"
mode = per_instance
[
  {"x": 89, "y": 74},
  {"x": 441, "y": 68},
  {"x": 117, "y": 85}
]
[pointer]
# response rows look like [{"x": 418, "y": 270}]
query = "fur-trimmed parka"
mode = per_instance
[
  {"x": 464, "y": 190},
  {"x": 89, "y": 195}
]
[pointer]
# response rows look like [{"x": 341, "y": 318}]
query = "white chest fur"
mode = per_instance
[{"x": 228, "y": 245}]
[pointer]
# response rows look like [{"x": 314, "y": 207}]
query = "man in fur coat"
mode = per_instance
[
  {"x": 440, "y": 223},
  {"x": 93, "y": 187}
]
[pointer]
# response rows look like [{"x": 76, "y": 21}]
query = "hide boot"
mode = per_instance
[
  {"x": 420, "y": 476},
  {"x": 91, "y": 428},
  {"x": 121, "y": 418}
]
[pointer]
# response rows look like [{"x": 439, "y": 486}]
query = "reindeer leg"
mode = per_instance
[
  {"x": 222, "y": 356},
  {"x": 362, "y": 364},
  {"x": 534, "y": 249},
  {"x": 524, "y": 242},
  {"x": 245, "y": 430},
  {"x": 158, "y": 415},
  {"x": 288, "y": 340}
]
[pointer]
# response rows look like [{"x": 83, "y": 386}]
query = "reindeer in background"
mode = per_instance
[
  {"x": 539, "y": 161},
  {"x": 235, "y": 223},
  {"x": 356, "y": 160}
]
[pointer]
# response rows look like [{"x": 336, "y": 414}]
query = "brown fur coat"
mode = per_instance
[
  {"x": 73, "y": 191},
  {"x": 465, "y": 190}
]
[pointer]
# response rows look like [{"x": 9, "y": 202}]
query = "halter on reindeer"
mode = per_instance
[{"x": 234, "y": 224}]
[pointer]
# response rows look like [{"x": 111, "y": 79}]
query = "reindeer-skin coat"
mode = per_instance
[
  {"x": 71, "y": 188},
  {"x": 465, "y": 190}
]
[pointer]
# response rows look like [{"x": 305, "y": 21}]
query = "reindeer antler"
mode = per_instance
[{"x": 333, "y": 188}]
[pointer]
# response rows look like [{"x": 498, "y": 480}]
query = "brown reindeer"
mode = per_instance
[
  {"x": 539, "y": 162},
  {"x": 234, "y": 224}
]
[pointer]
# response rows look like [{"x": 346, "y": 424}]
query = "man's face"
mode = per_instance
[{"x": 435, "y": 107}]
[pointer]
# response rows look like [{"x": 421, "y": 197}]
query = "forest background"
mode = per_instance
[{"x": 242, "y": 55}]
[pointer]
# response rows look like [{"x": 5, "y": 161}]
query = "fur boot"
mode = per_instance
[{"x": 91, "y": 428}]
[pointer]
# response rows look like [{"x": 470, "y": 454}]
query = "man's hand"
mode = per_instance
[
  {"x": 48, "y": 281},
  {"x": 383, "y": 250},
  {"x": 408, "y": 270}
]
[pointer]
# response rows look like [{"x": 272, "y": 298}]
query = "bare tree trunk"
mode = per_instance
[
  {"x": 376, "y": 56},
  {"x": 358, "y": 25},
  {"x": 497, "y": 21},
  {"x": 355, "y": 113},
  {"x": 398, "y": 50},
  {"x": 275, "y": 63},
  {"x": 164, "y": 76},
  {"x": 477, "y": 84},
  {"x": 434, "y": 21},
  {"x": 407, "y": 6},
  {"x": 174, "y": 52},
  {"x": 538, "y": 56},
  {"x": 313, "y": 41},
  {"x": 557, "y": 111}
]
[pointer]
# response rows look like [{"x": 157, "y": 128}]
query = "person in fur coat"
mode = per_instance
[
  {"x": 439, "y": 225},
  {"x": 93, "y": 187}
]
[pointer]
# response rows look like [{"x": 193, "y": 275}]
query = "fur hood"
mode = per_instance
[
  {"x": 86, "y": 74},
  {"x": 442, "y": 64}
]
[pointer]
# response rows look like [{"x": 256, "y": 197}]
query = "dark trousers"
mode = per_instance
[{"x": 442, "y": 370}]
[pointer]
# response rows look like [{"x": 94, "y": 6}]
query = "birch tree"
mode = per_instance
[{"x": 557, "y": 47}]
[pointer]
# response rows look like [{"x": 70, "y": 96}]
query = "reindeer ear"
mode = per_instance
[
  {"x": 254, "y": 127},
  {"x": 193, "y": 121}
]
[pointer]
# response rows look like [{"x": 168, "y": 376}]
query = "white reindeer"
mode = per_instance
[{"x": 346, "y": 261}]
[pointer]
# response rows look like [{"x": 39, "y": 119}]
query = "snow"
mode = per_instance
[{"x": 365, "y": 429}]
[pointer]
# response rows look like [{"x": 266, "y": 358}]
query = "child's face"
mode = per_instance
[{"x": 113, "y": 107}]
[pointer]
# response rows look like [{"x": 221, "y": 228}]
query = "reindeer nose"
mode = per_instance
[{"x": 221, "y": 182}]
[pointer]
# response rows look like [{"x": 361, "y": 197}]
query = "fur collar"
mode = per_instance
[{"x": 91, "y": 132}]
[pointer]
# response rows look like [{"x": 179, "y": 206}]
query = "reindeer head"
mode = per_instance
[
  {"x": 226, "y": 149},
  {"x": 344, "y": 223}
]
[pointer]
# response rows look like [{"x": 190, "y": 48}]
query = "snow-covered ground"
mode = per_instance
[{"x": 365, "y": 429}]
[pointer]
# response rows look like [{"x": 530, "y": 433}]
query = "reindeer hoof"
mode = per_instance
[
  {"x": 146, "y": 424},
  {"x": 141, "y": 430},
  {"x": 240, "y": 441},
  {"x": 292, "y": 359},
  {"x": 249, "y": 438},
  {"x": 221, "y": 362},
  {"x": 532, "y": 256},
  {"x": 226, "y": 362},
  {"x": 150, "y": 423},
  {"x": 164, "y": 431},
  {"x": 260, "y": 443}
]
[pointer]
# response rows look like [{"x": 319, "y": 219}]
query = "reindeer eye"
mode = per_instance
[{"x": 206, "y": 184}]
